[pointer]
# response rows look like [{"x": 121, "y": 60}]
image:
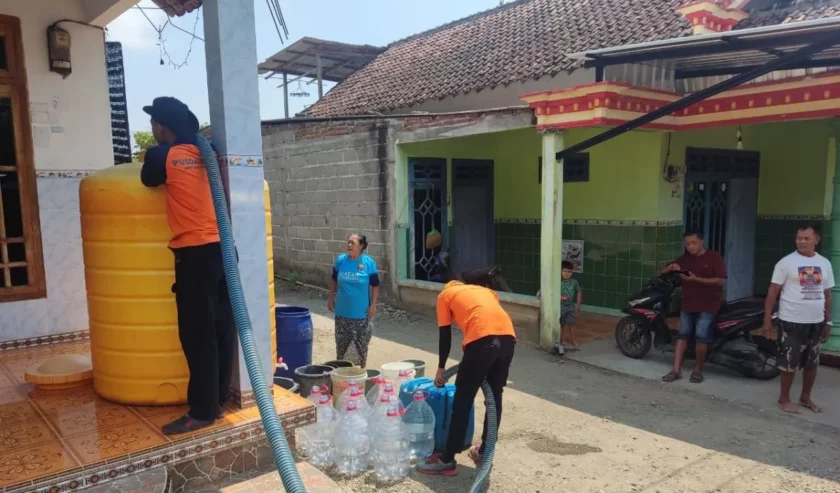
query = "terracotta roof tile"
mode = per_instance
[
  {"x": 521, "y": 40},
  {"x": 177, "y": 7}
]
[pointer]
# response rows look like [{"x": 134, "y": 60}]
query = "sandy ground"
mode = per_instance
[{"x": 571, "y": 427}]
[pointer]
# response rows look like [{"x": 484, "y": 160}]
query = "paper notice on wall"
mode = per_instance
[
  {"x": 573, "y": 252},
  {"x": 39, "y": 112},
  {"x": 41, "y": 136}
]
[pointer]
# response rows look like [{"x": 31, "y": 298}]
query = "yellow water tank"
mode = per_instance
[
  {"x": 269, "y": 244},
  {"x": 129, "y": 272}
]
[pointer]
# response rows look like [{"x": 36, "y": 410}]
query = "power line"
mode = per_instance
[
  {"x": 162, "y": 41},
  {"x": 160, "y": 29}
]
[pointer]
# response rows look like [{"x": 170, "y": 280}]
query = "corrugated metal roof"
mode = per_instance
[{"x": 338, "y": 60}]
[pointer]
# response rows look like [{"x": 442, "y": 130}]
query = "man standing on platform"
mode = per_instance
[{"x": 205, "y": 319}]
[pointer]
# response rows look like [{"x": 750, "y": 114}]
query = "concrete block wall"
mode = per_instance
[{"x": 328, "y": 180}]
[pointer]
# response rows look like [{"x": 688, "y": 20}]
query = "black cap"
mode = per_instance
[{"x": 175, "y": 115}]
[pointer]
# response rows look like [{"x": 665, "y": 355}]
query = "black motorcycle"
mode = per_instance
[{"x": 735, "y": 345}]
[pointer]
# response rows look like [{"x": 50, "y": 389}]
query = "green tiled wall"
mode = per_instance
[
  {"x": 518, "y": 254},
  {"x": 618, "y": 258},
  {"x": 775, "y": 238}
]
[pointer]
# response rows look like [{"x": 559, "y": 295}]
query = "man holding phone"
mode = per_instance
[{"x": 702, "y": 295}]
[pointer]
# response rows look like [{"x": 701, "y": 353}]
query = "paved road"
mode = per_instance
[{"x": 571, "y": 427}]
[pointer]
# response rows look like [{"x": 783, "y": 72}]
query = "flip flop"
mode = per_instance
[
  {"x": 672, "y": 376},
  {"x": 696, "y": 378},
  {"x": 810, "y": 405}
]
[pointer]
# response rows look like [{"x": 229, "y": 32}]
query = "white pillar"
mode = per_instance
[
  {"x": 231, "y": 55},
  {"x": 551, "y": 239}
]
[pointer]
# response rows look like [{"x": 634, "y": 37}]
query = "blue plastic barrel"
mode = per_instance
[{"x": 294, "y": 338}]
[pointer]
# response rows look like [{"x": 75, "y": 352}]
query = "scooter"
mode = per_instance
[
  {"x": 735, "y": 345},
  {"x": 489, "y": 277}
]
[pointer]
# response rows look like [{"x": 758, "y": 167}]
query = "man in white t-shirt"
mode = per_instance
[{"x": 804, "y": 279}]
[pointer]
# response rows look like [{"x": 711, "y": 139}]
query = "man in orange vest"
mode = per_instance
[
  {"x": 205, "y": 319},
  {"x": 489, "y": 341}
]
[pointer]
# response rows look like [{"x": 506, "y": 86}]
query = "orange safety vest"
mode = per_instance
[{"x": 189, "y": 203}]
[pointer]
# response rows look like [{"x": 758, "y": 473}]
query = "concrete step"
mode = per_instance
[{"x": 151, "y": 481}]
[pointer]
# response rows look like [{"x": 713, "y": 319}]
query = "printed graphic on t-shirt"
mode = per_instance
[{"x": 810, "y": 281}]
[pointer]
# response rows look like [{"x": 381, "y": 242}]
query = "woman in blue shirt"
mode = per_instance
[{"x": 354, "y": 291}]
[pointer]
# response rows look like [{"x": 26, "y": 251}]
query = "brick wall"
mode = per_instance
[{"x": 327, "y": 181}]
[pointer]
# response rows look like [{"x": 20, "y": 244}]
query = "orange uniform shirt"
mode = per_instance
[
  {"x": 189, "y": 203},
  {"x": 475, "y": 310}
]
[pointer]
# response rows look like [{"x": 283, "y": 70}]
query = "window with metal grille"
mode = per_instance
[
  {"x": 575, "y": 168},
  {"x": 21, "y": 257}
]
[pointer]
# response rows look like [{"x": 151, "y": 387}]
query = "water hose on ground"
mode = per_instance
[
  {"x": 283, "y": 458},
  {"x": 483, "y": 471}
]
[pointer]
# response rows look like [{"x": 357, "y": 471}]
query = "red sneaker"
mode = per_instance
[{"x": 434, "y": 466}]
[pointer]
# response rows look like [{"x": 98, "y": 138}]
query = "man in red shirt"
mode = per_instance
[{"x": 702, "y": 296}]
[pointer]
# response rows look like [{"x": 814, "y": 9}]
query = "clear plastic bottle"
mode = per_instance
[
  {"x": 361, "y": 403},
  {"x": 344, "y": 396},
  {"x": 352, "y": 441},
  {"x": 419, "y": 421},
  {"x": 404, "y": 376},
  {"x": 387, "y": 399},
  {"x": 391, "y": 452},
  {"x": 315, "y": 441},
  {"x": 373, "y": 395},
  {"x": 321, "y": 447},
  {"x": 316, "y": 392}
]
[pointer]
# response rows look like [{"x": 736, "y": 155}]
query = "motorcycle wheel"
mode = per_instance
[
  {"x": 765, "y": 363},
  {"x": 633, "y": 339}
]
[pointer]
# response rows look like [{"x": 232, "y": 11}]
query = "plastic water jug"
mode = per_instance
[
  {"x": 361, "y": 403},
  {"x": 440, "y": 400},
  {"x": 419, "y": 421},
  {"x": 387, "y": 399},
  {"x": 391, "y": 451},
  {"x": 352, "y": 441},
  {"x": 404, "y": 376},
  {"x": 344, "y": 394},
  {"x": 316, "y": 392},
  {"x": 373, "y": 395},
  {"x": 315, "y": 441}
]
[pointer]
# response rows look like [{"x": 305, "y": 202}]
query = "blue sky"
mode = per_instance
[{"x": 375, "y": 22}]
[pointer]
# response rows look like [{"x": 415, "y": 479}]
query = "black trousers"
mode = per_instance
[
  {"x": 205, "y": 327},
  {"x": 490, "y": 358}
]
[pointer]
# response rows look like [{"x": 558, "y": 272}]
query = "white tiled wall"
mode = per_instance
[{"x": 65, "y": 308}]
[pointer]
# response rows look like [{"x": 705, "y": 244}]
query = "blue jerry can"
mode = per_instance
[{"x": 440, "y": 400}]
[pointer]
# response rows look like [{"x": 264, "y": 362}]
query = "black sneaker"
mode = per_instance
[{"x": 185, "y": 424}]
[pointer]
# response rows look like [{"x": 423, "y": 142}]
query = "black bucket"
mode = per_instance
[
  {"x": 287, "y": 383},
  {"x": 313, "y": 376},
  {"x": 339, "y": 363}
]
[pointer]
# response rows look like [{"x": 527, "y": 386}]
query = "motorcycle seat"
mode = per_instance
[{"x": 740, "y": 309}]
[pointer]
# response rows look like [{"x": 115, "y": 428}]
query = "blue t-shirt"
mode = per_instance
[{"x": 354, "y": 278}]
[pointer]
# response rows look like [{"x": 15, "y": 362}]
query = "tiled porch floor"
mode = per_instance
[
  {"x": 50, "y": 434},
  {"x": 591, "y": 326}
]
